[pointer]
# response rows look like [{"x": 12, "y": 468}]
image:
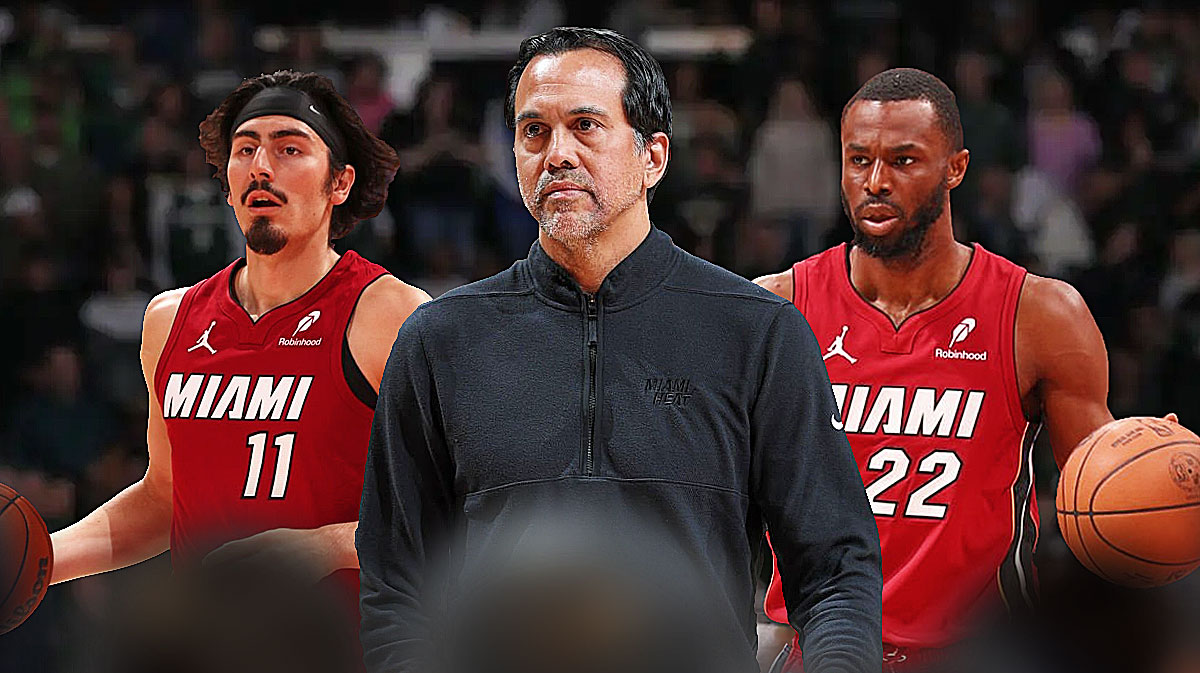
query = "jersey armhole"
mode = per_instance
[
  {"x": 1013, "y": 383},
  {"x": 356, "y": 380},
  {"x": 185, "y": 304}
]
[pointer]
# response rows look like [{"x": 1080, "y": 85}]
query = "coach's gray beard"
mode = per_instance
[{"x": 265, "y": 238}]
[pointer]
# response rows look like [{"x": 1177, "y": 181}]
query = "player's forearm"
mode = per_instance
[
  {"x": 132, "y": 527},
  {"x": 338, "y": 539}
]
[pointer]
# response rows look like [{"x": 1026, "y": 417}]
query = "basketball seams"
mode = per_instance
[
  {"x": 1141, "y": 510},
  {"x": 24, "y": 552},
  {"x": 1075, "y": 506},
  {"x": 1091, "y": 515},
  {"x": 1117, "y": 549}
]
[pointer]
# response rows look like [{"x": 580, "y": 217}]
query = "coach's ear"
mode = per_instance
[
  {"x": 956, "y": 170},
  {"x": 657, "y": 153}
]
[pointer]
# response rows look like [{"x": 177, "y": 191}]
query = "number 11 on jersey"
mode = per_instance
[{"x": 283, "y": 463}]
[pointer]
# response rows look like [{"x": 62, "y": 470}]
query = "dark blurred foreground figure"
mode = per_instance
[
  {"x": 611, "y": 369},
  {"x": 579, "y": 590},
  {"x": 258, "y": 617},
  {"x": 946, "y": 361}
]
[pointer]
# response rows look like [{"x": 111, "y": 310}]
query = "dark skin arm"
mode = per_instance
[{"x": 1062, "y": 365}]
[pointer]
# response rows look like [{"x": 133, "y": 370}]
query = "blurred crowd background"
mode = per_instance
[{"x": 1083, "y": 122}]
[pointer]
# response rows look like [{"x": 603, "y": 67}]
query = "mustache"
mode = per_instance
[
  {"x": 570, "y": 175},
  {"x": 264, "y": 186},
  {"x": 876, "y": 201}
]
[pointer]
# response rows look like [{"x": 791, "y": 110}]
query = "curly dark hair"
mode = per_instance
[{"x": 375, "y": 162}]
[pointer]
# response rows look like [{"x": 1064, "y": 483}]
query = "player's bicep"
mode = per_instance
[
  {"x": 156, "y": 329},
  {"x": 1071, "y": 362}
]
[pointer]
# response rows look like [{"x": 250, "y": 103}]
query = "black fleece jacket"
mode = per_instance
[{"x": 678, "y": 385}]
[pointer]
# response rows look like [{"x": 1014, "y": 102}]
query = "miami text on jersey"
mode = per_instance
[
  {"x": 242, "y": 397},
  {"x": 896, "y": 411}
]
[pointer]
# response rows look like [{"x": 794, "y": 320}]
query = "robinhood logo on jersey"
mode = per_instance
[
  {"x": 960, "y": 334},
  {"x": 305, "y": 322}
]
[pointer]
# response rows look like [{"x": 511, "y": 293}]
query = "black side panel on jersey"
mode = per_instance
[
  {"x": 354, "y": 375},
  {"x": 1015, "y": 575}
]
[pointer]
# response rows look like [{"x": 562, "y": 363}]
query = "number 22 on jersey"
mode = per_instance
[{"x": 895, "y": 463}]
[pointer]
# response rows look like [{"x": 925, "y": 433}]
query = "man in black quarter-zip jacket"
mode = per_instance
[{"x": 613, "y": 370}]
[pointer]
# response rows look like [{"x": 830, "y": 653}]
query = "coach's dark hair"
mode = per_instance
[
  {"x": 913, "y": 84},
  {"x": 646, "y": 98},
  {"x": 375, "y": 162}
]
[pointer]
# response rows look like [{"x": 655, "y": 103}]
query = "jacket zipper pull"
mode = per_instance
[{"x": 591, "y": 318}]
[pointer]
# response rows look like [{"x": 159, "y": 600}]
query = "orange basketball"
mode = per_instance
[
  {"x": 1129, "y": 502},
  {"x": 25, "y": 559}
]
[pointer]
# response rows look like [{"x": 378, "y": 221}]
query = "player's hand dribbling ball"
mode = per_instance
[
  {"x": 26, "y": 558},
  {"x": 1129, "y": 501}
]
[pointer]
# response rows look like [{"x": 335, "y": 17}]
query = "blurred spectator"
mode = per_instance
[
  {"x": 695, "y": 115},
  {"x": 515, "y": 228},
  {"x": 990, "y": 133},
  {"x": 305, "y": 52},
  {"x": 989, "y": 129},
  {"x": 988, "y": 217},
  {"x": 436, "y": 186},
  {"x": 761, "y": 65},
  {"x": 1056, "y": 232},
  {"x": 22, "y": 216},
  {"x": 1118, "y": 281},
  {"x": 1188, "y": 139},
  {"x": 366, "y": 91},
  {"x": 112, "y": 322},
  {"x": 527, "y": 17},
  {"x": 116, "y": 84},
  {"x": 712, "y": 205},
  {"x": 794, "y": 170},
  {"x": 1138, "y": 92},
  {"x": 59, "y": 428},
  {"x": 1063, "y": 141},
  {"x": 631, "y": 17},
  {"x": 220, "y": 59},
  {"x": 1182, "y": 279},
  {"x": 191, "y": 229},
  {"x": 38, "y": 310}
]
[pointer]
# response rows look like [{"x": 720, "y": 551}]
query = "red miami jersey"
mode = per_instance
[
  {"x": 934, "y": 417},
  {"x": 265, "y": 429}
]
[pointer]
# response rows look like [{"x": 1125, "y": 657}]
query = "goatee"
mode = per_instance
[
  {"x": 911, "y": 241},
  {"x": 265, "y": 238}
]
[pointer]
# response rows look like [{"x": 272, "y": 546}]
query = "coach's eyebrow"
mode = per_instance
[
  {"x": 247, "y": 134},
  {"x": 528, "y": 114},
  {"x": 904, "y": 147},
  {"x": 589, "y": 110},
  {"x": 857, "y": 148}
]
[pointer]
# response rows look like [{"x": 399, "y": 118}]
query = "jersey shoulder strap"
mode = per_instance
[{"x": 807, "y": 272}]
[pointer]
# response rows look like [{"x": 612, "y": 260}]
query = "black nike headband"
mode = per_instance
[{"x": 294, "y": 103}]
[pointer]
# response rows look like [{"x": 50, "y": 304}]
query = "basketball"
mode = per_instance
[
  {"x": 25, "y": 559},
  {"x": 1129, "y": 502}
]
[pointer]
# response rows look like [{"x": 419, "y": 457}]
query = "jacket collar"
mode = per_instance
[{"x": 633, "y": 278}]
